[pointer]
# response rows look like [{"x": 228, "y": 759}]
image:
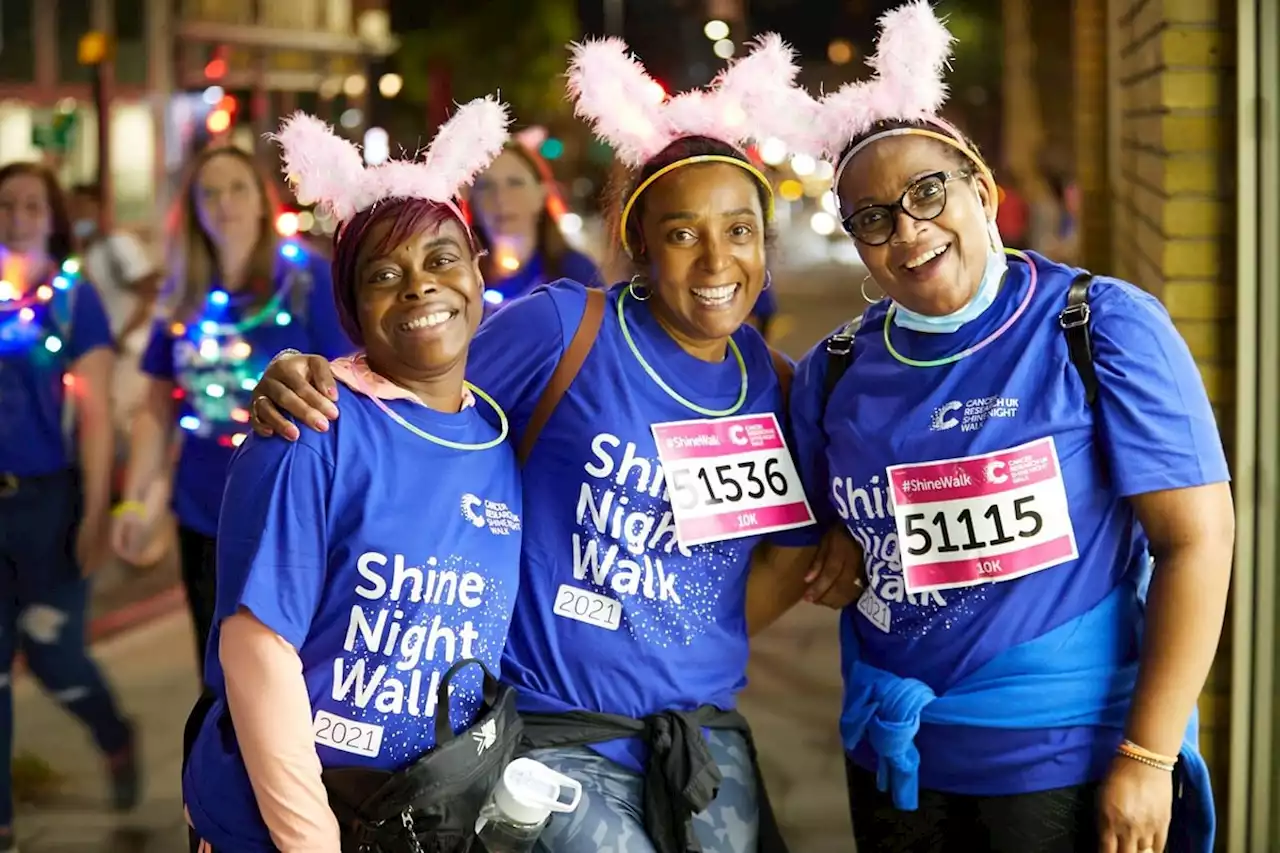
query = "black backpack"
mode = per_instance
[{"x": 1074, "y": 320}]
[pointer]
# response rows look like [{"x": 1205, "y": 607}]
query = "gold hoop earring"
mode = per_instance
[
  {"x": 639, "y": 287},
  {"x": 863, "y": 289}
]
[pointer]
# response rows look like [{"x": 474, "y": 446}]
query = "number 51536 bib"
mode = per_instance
[
  {"x": 730, "y": 477},
  {"x": 982, "y": 519}
]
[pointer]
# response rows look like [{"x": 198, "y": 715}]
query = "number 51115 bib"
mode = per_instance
[{"x": 982, "y": 519}]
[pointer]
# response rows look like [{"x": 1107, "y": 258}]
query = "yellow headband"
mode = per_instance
[
  {"x": 983, "y": 170},
  {"x": 700, "y": 158}
]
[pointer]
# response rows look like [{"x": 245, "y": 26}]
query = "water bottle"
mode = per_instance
[{"x": 521, "y": 803}]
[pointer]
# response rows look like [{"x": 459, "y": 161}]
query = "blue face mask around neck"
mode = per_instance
[{"x": 992, "y": 275}]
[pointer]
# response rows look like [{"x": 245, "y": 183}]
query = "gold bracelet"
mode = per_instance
[
  {"x": 129, "y": 508},
  {"x": 1142, "y": 759},
  {"x": 1130, "y": 746}
]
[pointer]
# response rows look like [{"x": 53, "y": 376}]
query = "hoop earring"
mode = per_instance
[
  {"x": 863, "y": 289},
  {"x": 639, "y": 287},
  {"x": 768, "y": 280}
]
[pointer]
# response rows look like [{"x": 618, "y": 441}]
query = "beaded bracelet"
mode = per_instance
[{"x": 1132, "y": 751}]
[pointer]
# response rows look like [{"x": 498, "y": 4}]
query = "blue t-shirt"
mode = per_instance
[
  {"x": 574, "y": 266},
  {"x": 381, "y": 573},
  {"x": 1150, "y": 429},
  {"x": 39, "y": 342},
  {"x": 601, "y": 521},
  {"x": 215, "y": 367}
]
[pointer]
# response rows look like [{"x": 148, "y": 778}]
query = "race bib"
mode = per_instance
[
  {"x": 982, "y": 519},
  {"x": 730, "y": 477}
]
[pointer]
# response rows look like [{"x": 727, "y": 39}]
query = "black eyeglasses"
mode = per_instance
[{"x": 924, "y": 200}]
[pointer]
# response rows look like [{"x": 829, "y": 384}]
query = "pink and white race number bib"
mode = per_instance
[
  {"x": 982, "y": 519},
  {"x": 730, "y": 477}
]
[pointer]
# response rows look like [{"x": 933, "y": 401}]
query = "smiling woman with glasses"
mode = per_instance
[
  {"x": 1015, "y": 444},
  {"x": 924, "y": 200}
]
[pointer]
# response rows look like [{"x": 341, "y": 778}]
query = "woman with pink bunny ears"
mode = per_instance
[
  {"x": 664, "y": 520},
  {"x": 1015, "y": 443},
  {"x": 366, "y": 574}
]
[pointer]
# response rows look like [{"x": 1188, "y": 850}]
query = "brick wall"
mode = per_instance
[{"x": 1170, "y": 208}]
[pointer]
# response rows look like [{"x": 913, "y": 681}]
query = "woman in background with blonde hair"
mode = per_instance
[{"x": 237, "y": 295}]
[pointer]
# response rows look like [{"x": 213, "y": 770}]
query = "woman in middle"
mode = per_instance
[
  {"x": 351, "y": 593},
  {"x": 668, "y": 522}
]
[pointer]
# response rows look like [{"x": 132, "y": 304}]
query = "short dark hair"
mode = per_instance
[
  {"x": 59, "y": 247},
  {"x": 887, "y": 125},
  {"x": 407, "y": 216},
  {"x": 681, "y": 149}
]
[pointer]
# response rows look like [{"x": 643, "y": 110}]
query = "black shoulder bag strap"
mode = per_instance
[
  {"x": 1074, "y": 320},
  {"x": 839, "y": 357}
]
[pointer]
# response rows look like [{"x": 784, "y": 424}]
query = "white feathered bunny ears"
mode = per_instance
[
  {"x": 755, "y": 98},
  {"x": 329, "y": 171}
]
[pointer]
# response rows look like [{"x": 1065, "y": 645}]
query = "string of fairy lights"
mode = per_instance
[
  {"x": 216, "y": 366},
  {"x": 26, "y": 314}
]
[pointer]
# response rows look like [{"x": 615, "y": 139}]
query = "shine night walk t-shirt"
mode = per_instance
[
  {"x": 1000, "y": 455},
  {"x": 615, "y": 615},
  {"x": 383, "y": 558}
]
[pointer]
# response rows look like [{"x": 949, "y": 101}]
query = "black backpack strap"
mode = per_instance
[
  {"x": 1074, "y": 320},
  {"x": 839, "y": 357}
]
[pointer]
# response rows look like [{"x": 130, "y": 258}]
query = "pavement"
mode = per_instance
[{"x": 143, "y": 642}]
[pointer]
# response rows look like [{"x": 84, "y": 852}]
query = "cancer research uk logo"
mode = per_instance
[
  {"x": 970, "y": 415},
  {"x": 495, "y": 515}
]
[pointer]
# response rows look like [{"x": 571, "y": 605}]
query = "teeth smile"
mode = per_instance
[
  {"x": 716, "y": 295},
  {"x": 925, "y": 257},
  {"x": 433, "y": 319}
]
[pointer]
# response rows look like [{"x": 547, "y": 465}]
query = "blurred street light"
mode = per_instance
[
  {"x": 354, "y": 85},
  {"x": 803, "y": 165},
  {"x": 377, "y": 146},
  {"x": 389, "y": 85},
  {"x": 723, "y": 49},
  {"x": 822, "y": 223},
  {"x": 773, "y": 151},
  {"x": 840, "y": 52},
  {"x": 716, "y": 30}
]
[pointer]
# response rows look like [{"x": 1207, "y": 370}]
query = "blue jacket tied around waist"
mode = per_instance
[{"x": 1078, "y": 674}]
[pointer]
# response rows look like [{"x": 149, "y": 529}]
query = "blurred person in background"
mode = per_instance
[
  {"x": 128, "y": 280},
  {"x": 119, "y": 266},
  {"x": 1027, "y": 454},
  {"x": 56, "y": 448},
  {"x": 237, "y": 295},
  {"x": 630, "y": 637},
  {"x": 516, "y": 209}
]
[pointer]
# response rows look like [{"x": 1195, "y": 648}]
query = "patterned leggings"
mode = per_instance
[
  {"x": 1063, "y": 820},
  {"x": 610, "y": 819}
]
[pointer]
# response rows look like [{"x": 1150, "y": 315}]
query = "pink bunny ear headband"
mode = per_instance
[
  {"x": 329, "y": 171},
  {"x": 912, "y": 50},
  {"x": 752, "y": 100}
]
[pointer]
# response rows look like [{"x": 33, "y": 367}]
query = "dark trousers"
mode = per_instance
[
  {"x": 1063, "y": 820},
  {"x": 43, "y": 608},
  {"x": 199, "y": 556}
]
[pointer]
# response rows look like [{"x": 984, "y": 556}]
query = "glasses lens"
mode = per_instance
[
  {"x": 872, "y": 225},
  {"x": 926, "y": 198}
]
